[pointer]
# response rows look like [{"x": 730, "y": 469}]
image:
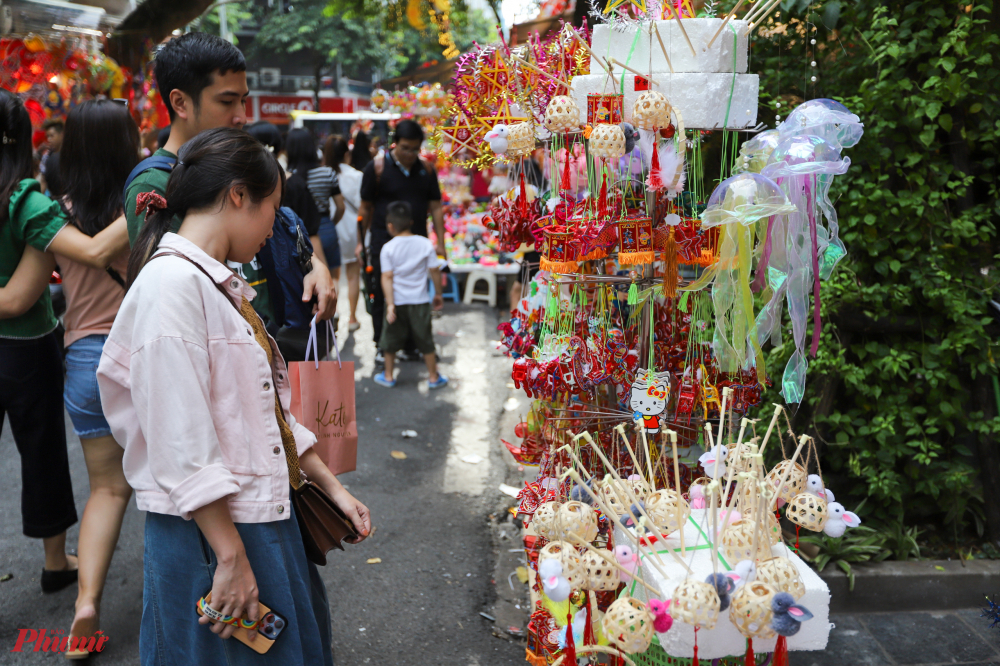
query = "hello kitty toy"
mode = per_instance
[{"x": 649, "y": 401}]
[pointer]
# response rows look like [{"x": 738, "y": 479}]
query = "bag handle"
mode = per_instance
[{"x": 311, "y": 343}]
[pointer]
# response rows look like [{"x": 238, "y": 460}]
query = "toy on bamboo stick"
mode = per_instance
[
  {"x": 751, "y": 611},
  {"x": 628, "y": 625}
]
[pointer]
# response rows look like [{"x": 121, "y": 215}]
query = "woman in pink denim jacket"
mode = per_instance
[{"x": 188, "y": 386}]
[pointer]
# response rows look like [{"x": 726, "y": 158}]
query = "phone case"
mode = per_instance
[{"x": 260, "y": 645}]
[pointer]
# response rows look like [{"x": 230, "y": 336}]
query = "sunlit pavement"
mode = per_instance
[{"x": 421, "y": 603}]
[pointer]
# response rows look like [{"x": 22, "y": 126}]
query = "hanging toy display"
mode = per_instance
[{"x": 640, "y": 342}]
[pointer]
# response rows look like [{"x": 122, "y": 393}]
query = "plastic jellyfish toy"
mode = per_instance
[
  {"x": 755, "y": 153},
  {"x": 802, "y": 248},
  {"x": 737, "y": 205},
  {"x": 825, "y": 118}
]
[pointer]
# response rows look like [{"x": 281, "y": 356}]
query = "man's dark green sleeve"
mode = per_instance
[{"x": 152, "y": 180}]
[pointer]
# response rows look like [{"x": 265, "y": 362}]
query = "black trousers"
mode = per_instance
[
  {"x": 379, "y": 239},
  {"x": 31, "y": 396}
]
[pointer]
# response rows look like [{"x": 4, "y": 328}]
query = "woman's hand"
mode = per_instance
[
  {"x": 320, "y": 474},
  {"x": 355, "y": 510},
  {"x": 234, "y": 588},
  {"x": 234, "y": 592}
]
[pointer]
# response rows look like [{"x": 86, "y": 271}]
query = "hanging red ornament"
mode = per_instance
[
  {"x": 781, "y": 652},
  {"x": 569, "y": 653},
  {"x": 522, "y": 200},
  {"x": 750, "y": 659},
  {"x": 602, "y": 199},
  {"x": 655, "y": 179},
  {"x": 668, "y": 131},
  {"x": 566, "y": 182},
  {"x": 588, "y": 631},
  {"x": 694, "y": 660}
]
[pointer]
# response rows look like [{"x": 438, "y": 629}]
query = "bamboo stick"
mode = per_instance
[
  {"x": 620, "y": 429},
  {"x": 677, "y": 485},
  {"x": 662, "y": 47},
  {"x": 709, "y": 442},
  {"x": 635, "y": 500},
  {"x": 649, "y": 457},
  {"x": 724, "y": 22},
  {"x": 634, "y": 71},
  {"x": 726, "y": 392},
  {"x": 677, "y": 15},
  {"x": 770, "y": 427},
  {"x": 759, "y": 10},
  {"x": 593, "y": 55},
  {"x": 757, "y": 22},
  {"x": 527, "y": 64}
]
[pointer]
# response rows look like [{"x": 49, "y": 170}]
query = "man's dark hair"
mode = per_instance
[
  {"x": 53, "y": 123},
  {"x": 189, "y": 64},
  {"x": 408, "y": 129},
  {"x": 163, "y": 137},
  {"x": 399, "y": 215}
]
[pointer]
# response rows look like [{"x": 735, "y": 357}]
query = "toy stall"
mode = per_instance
[{"x": 653, "y": 529}]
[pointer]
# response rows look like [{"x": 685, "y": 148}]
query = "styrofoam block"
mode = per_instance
[
  {"x": 724, "y": 640},
  {"x": 648, "y": 55},
  {"x": 701, "y": 98}
]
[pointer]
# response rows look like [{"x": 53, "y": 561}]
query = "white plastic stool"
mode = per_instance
[{"x": 491, "y": 292}]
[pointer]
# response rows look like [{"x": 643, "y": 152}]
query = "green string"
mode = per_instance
[
  {"x": 633, "y": 295},
  {"x": 628, "y": 60}
]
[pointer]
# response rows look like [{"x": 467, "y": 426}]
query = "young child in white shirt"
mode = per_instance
[{"x": 407, "y": 260}]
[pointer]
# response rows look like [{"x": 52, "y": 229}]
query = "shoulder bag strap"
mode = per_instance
[{"x": 194, "y": 263}]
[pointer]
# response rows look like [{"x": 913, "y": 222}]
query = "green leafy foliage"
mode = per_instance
[
  {"x": 860, "y": 544},
  {"x": 907, "y": 324}
]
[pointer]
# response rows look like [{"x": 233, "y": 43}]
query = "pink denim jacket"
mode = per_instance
[{"x": 189, "y": 393}]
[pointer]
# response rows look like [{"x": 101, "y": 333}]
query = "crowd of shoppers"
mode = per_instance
[{"x": 165, "y": 281}]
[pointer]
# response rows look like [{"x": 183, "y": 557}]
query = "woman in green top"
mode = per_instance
[{"x": 32, "y": 227}]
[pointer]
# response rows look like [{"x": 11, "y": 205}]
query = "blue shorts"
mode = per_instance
[{"x": 82, "y": 397}]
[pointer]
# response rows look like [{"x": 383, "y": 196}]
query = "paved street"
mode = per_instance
[{"x": 421, "y": 604}]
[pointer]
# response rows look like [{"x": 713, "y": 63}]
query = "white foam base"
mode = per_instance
[
  {"x": 724, "y": 640},
  {"x": 647, "y": 55},
  {"x": 701, "y": 98}
]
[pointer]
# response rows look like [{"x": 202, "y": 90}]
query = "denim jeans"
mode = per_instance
[
  {"x": 331, "y": 242},
  {"x": 83, "y": 398},
  {"x": 178, "y": 569}
]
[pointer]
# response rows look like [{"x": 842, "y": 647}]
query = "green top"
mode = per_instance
[
  {"x": 34, "y": 220},
  {"x": 155, "y": 180}
]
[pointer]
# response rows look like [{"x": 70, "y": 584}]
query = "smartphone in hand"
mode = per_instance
[{"x": 269, "y": 627}]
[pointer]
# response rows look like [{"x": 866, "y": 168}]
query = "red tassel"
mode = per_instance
[
  {"x": 655, "y": 180},
  {"x": 602, "y": 199},
  {"x": 570, "y": 651},
  {"x": 797, "y": 528},
  {"x": 750, "y": 659},
  {"x": 694, "y": 661},
  {"x": 566, "y": 183},
  {"x": 781, "y": 652},
  {"x": 523, "y": 198},
  {"x": 588, "y": 631}
]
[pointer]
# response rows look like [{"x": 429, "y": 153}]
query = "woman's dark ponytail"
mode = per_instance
[
  {"x": 209, "y": 165},
  {"x": 16, "y": 162}
]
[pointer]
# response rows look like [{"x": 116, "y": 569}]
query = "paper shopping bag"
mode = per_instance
[{"x": 323, "y": 402}]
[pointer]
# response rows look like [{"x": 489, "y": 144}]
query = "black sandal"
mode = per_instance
[{"x": 53, "y": 581}]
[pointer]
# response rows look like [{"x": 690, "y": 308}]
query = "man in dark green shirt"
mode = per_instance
[{"x": 203, "y": 82}]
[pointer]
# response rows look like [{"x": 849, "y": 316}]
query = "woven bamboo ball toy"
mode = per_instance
[
  {"x": 606, "y": 141},
  {"x": 614, "y": 495},
  {"x": 739, "y": 457},
  {"x": 544, "y": 519},
  {"x": 572, "y": 565},
  {"x": 695, "y": 602},
  {"x": 629, "y": 625},
  {"x": 737, "y": 542},
  {"x": 795, "y": 484},
  {"x": 562, "y": 114},
  {"x": 780, "y": 573},
  {"x": 807, "y": 510},
  {"x": 575, "y": 520},
  {"x": 601, "y": 575},
  {"x": 651, "y": 111},
  {"x": 704, "y": 481},
  {"x": 667, "y": 509},
  {"x": 638, "y": 486},
  {"x": 750, "y": 610},
  {"x": 520, "y": 140},
  {"x": 773, "y": 530}
]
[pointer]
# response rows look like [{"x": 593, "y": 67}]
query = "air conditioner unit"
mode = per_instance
[
  {"x": 270, "y": 76},
  {"x": 307, "y": 83},
  {"x": 253, "y": 80}
]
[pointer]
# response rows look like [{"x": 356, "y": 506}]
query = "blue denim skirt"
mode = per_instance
[
  {"x": 331, "y": 241},
  {"x": 178, "y": 567},
  {"x": 81, "y": 395}
]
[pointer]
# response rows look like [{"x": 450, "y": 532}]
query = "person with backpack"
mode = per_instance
[
  {"x": 32, "y": 228},
  {"x": 198, "y": 394},
  {"x": 202, "y": 79},
  {"x": 397, "y": 175}
]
